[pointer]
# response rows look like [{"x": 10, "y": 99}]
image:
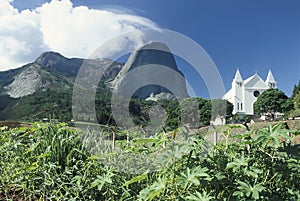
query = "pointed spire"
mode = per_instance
[
  {"x": 238, "y": 77},
  {"x": 270, "y": 81},
  {"x": 270, "y": 78}
]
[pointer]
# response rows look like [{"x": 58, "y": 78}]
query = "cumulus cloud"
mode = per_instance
[{"x": 59, "y": 26}]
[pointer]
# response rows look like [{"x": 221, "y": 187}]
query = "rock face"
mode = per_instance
[
  {"x": 49, "y": 71},
  {"x": 161, "y": 96},
  {"x": 156, "y": 56},
  {"x": 26, "y": 83}
]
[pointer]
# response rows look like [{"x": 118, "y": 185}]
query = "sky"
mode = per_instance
[{"x": 252, "y": 36}]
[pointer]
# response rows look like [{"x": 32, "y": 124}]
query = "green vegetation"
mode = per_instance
[
  {"x": 58, "y": 106},
  {"x": 49, "y": 162},
  {"x": 46, "y": 104},
  {"x": 296, "y": 102},
  {"x": 271, "y": 102}
]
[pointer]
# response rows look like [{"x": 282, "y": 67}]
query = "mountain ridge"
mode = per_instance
[
  {"x": 50, "y": 70},
  {"x": 44, "y": 87}
]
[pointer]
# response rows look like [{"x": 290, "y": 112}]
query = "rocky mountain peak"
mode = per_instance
[
  {"x": 157, "y": 54},
  {"x": 49, "y": 59},
  {"x": 152, "y": 53},
  {"x": 53, "y": 61}
]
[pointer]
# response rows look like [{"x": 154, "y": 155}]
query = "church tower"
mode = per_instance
[
  {"x": 238, "y": 95},
  {"x": 270, "y": 81}
]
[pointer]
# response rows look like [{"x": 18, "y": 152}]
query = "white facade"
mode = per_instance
[{"x": 243, "y": 93}]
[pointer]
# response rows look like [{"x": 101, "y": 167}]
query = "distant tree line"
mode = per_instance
[{"x": 58, "y": 105}]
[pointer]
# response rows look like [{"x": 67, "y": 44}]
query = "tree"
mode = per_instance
[
  {"x": 195, "y": 111},
  {"x": 296, "y": 90},
  {"x": 296, "y": 101},
  {"x": 296, "y": 96},
  {"x": 272, "y": 101},
  {"x": 221, "y": 108},
  {"x": 206, "y": 111}
]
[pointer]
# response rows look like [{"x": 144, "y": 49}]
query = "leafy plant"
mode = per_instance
[
  {"x": 199, "y": 197},
  {"x": 272, "y": 134},
  {"x": 51, "y": 162},
  {"x": 251, "y": 191}
]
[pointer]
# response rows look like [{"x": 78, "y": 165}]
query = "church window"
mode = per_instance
[
  {"x": 238, "y": 106},
  {"x": 239, "y": 84},
  {"x": 256, "y": 93},
  {"x": 272, "y": 85},
  {"x": 241, "y": 106}
]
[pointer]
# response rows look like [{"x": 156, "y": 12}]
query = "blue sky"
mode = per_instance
[{"x": 254, "y": 36}]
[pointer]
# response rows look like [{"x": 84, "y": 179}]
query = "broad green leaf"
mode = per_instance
[
  {"x": 237, "y": 163},
  {"x": 199, "y": 197},
  {"x": 135, "y": 179},
  {"x": 153, "y": 190}
]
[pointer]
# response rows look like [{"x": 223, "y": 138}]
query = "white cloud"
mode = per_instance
[{"x": 59, "y": 26}]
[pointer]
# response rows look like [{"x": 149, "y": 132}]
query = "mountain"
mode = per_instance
[
  {"x": 43, "y": 88},
  {"x": 152, "y": 62},
  {"x": 50, "y": 71}
]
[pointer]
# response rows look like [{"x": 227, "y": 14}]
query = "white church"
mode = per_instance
[{"x": 244, "y": 93}]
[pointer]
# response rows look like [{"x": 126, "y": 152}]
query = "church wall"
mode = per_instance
[
  {"x": 249, "y": 100},
  {"x": 238, "y": 96}
]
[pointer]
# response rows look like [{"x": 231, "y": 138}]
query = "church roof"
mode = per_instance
[
  {"x": 250, "y": 78},
  {"x": 238, "y": 76},
  {"x": 228, "y": 95},
  {"x": 254, "y": 80},
  {"x": 270, "y": 77}
]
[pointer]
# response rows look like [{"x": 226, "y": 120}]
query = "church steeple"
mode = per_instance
[
  {"x": 270, "y": 81},
  {"x": 238, "y": 77},
  {"x": 238, "y": 80}
]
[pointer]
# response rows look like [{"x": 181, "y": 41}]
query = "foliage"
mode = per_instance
[
  {"x": 294, "y": 113},
  {"x": 296, "y": 90},
  {"x": 272, "y": 101},
  {"x": 221, "y": 108},
  {"x": 58, "y": 106},
  {"x": 4, "y": 101},
  {"x": 39, "y": 105},
  {"x": 49, "y": 162},
  {"x": 296, "y": 101},
  {"x": 207, "y": 110},
  {"x": 240, "y": 118}
]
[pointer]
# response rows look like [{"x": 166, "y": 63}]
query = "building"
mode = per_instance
[{"x": 243, "y": 93}]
